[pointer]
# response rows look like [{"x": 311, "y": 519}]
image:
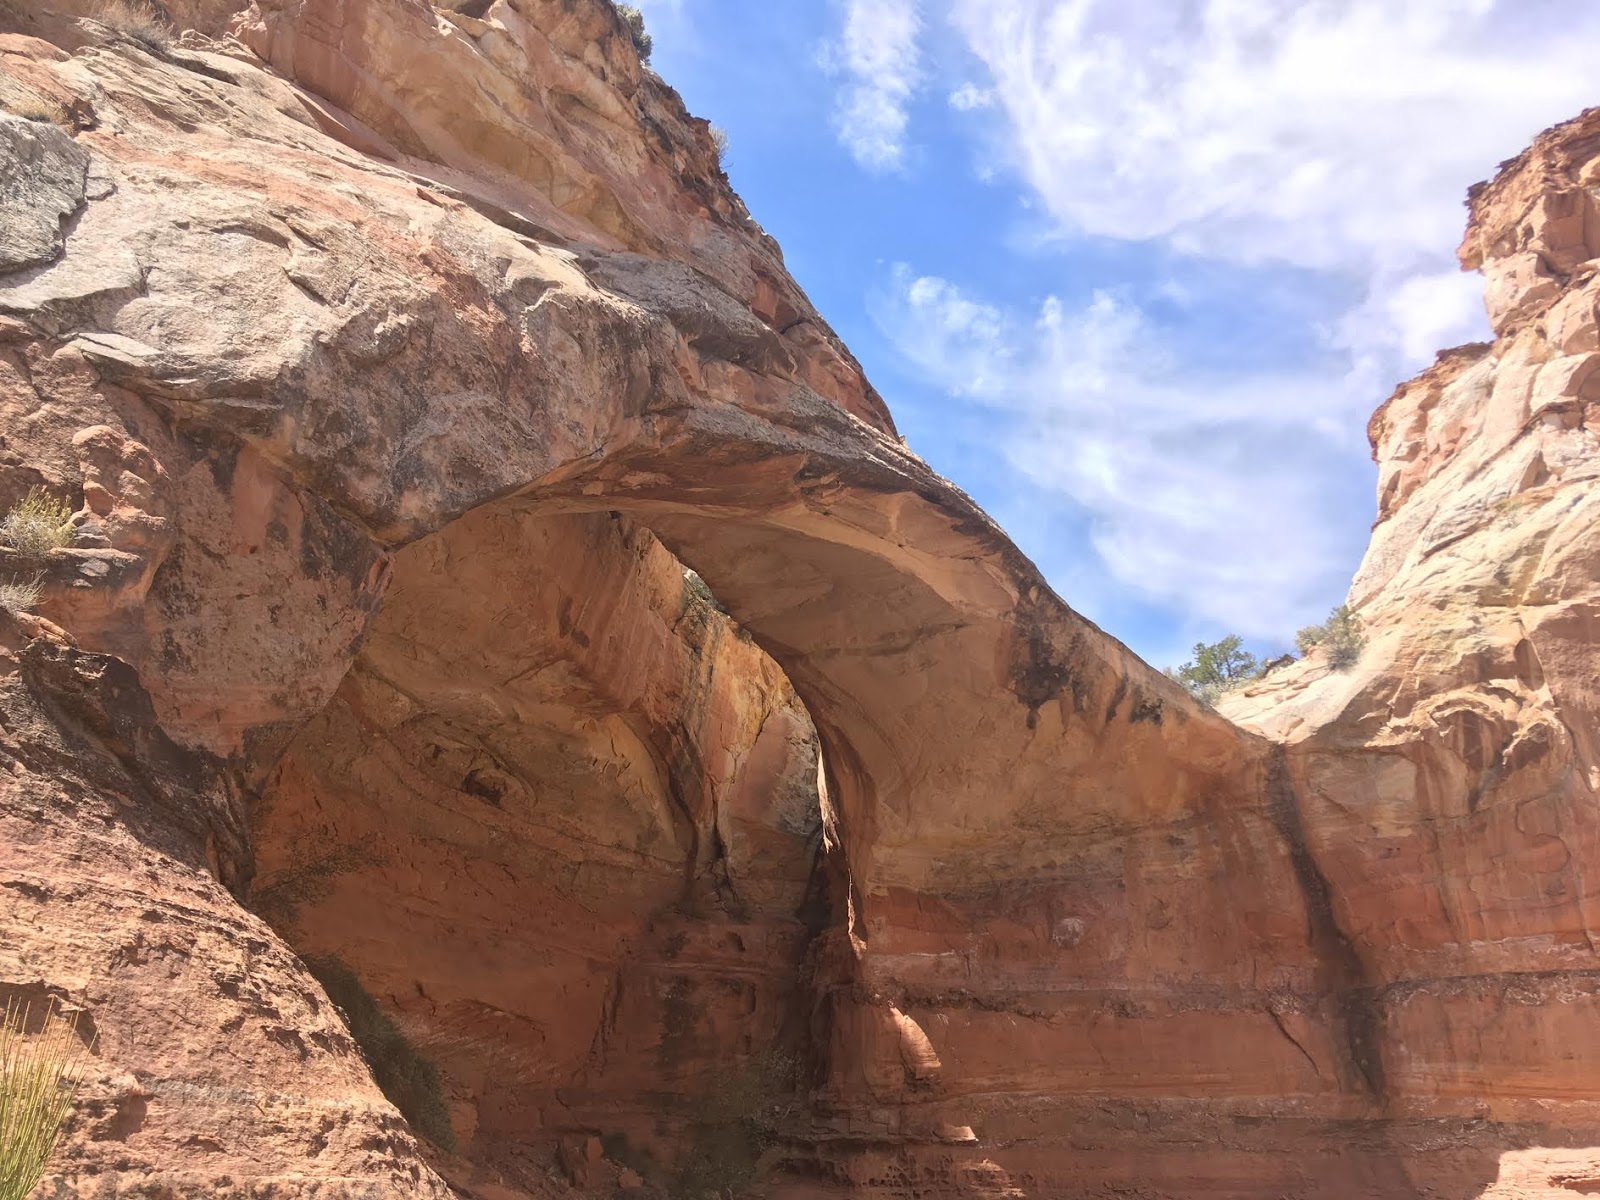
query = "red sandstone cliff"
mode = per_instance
[{"x": 396, "y": 357}]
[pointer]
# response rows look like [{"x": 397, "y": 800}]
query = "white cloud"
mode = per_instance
[
  {"x": 1324, "y": 145},
  {"x": 1412, "y": 318},
  {"x": 1219, "y": 497},
  {"x": 1334, "y": 135},
  {"x": 878, "y": 55},
  {"x": 970, "y": 96}
]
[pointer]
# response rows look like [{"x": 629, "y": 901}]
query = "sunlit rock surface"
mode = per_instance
[{"x": 397, "y": 359}]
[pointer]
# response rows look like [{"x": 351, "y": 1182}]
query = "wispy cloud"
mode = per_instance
[
  {"x": 877, "y": 54},
  {"x": 1323, "y": 146},
  {"x": 1217, "y": 495},
  {"x": 970, "y": 96},
  {"x": 1334, "y": 135}
]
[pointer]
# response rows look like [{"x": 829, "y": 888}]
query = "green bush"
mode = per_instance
[
  {"x": 633, "y": 21},
  {"x": 38, "y": 1082},
  {"x": 410, "y": 1081},
  {"x": 1339, "y": 637},
  {"x": 38, "y": 524},
  {"x": 1217, "y": 668}
]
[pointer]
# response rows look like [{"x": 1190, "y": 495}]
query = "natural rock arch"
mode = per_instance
[{"x": 301, "y": 339}]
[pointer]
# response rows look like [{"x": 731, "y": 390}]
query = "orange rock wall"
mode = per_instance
[{"x": 563, "y": 819}]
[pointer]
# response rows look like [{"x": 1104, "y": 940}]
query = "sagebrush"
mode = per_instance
[
  {"x": 1339, "y": 638},
  {"x": 39, "y": 1080},
  {"x": 633, "y": 21},
  {"x": 140, "y": 21},
  {"x": 37, "y": 524}
]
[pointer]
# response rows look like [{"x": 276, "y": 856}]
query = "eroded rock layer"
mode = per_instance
[
  {"x": 590, "y": 805},
  {"x": 1449, "y": 780},
  {"x": 397, "y": 358}
]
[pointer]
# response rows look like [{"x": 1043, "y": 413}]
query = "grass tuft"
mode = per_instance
[
  {"x": 21, "y": 595},
  {"x": 138, "y": 20},
  {"x": 38, "y": 1083},
  {"x": 37, "y": 524},
  {"x": 33, "y": 109}
]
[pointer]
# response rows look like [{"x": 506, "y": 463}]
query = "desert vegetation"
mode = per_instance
[
  {"x": 1339, "y": 638},
  {"x": 633, "y": 20},
  {"x": 737, "y": 1120},
  {"x": 139, "y": 20},
  {"x": 37, "y": 524},
  {"x": 38, "y": 1082},
  {"x": 697, "y": 591},
  {"x": 1220, "y": 667},
  {"x": 1217, "y": 668},
  {"x": 31, "y": 108},
  {"x": 21, "y": 595}
]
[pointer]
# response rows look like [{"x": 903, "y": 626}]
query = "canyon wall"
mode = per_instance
[
  {"x": 1449, "y": 781},
  {"x": 398, "y": 359}
]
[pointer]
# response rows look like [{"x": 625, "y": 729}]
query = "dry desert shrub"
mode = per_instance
[
  {"x": 37, "y": 524},
  {"x": 31, "y": 108},
  {"x": 21, "y": 595},
  {"x": 139, "y": 20}
]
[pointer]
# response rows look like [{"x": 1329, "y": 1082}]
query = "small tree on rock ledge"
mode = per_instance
[{"x": 1217, "y": 668}]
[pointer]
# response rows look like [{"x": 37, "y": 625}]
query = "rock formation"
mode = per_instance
[
  {"x": 396, "y": 358},
  {"x": 1449, "y": 782}
]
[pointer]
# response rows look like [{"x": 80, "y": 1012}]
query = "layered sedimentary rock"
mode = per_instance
[
  {"x": 1449, "y": 780},
  {"x": 562, "y": 816},
  {"x": 397, "y": 358}
]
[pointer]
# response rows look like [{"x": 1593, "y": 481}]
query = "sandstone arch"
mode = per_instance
[
  {"x": 390, "y": 382},
  {"x": 309, "y": 357}
]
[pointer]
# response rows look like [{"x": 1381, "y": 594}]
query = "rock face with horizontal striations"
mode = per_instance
[
  {"x": 1449, "y": 780},
  {"x": 515, "y": 718}
]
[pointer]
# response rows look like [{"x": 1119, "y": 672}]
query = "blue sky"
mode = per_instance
[{"x": 1135, "y": 275}]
